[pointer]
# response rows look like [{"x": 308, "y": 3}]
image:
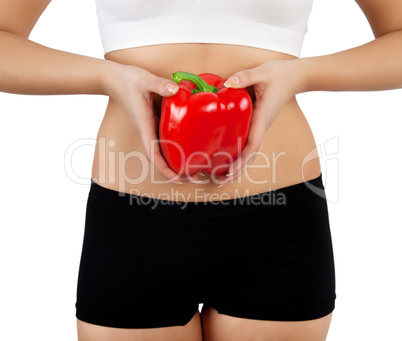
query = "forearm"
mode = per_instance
[
  {"x": 376, "y": 65},
  {"x": 29, "y": 68}
]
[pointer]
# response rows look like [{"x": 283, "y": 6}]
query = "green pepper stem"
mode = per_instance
[{"x": 200, "y": 84}]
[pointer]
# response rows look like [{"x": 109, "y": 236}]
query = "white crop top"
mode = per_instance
[{"x": 278, "y": 25}]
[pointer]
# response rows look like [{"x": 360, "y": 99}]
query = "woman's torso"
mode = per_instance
[{"x": 120, "y": 162}]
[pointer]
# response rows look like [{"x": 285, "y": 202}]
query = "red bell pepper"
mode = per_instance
[{"x": 204, "y": 125}]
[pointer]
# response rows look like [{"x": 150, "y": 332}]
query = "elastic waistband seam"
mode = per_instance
[
  {"x": 169, "y": 214},
  {"x": 229, "y": 207}
]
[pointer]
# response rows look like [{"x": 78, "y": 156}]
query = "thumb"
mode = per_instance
[
  {"x": 164, "y": 87},
  {"x": 241, "y": 79}
]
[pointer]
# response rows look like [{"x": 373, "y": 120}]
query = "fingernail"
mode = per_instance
[
  {"x": 229, "y": 174},
  {"x": 224, "y": 183},
  {"x": 172, "y": 88},
  {"x": 178, "y": 182},
  {"x": 232, "y": 81}
]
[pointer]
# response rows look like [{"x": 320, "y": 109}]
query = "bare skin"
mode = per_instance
[
  {"x": 221, "y": 327},
  {"x": 286, "y": 143},
  {"x": 212, "y": 326},
  {"x": 192, "y": 331}
]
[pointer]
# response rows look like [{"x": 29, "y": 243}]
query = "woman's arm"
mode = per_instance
[
  {"x": 376, "y": 65},
  {"x": 29, "y": 68}
]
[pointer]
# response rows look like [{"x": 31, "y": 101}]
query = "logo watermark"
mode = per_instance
[{"x": 116, "y": 166}]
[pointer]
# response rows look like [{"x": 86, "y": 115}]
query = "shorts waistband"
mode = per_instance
[{"x": 152, "y": 205}]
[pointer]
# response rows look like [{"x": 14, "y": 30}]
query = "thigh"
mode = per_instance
[
  {"x": 191, "y": 331},
  {"x": 222, "y": 327}
]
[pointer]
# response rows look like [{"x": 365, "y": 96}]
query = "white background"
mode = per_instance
[{"x": 43, "y": 210}]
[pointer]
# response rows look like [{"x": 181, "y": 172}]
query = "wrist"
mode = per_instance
[
  {"x": 108, "y": 75},
  {"x": 301, "y": 74}
]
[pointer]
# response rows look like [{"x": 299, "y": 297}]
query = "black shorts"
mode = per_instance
[{"x": 149, "y": 262}]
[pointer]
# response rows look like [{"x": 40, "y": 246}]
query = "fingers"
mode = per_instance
[
  {"x": 260, "y": 122},
  {"x": 135, "y": 92},
  {"x": 146, "y": 122},
  {"x": 147, "y": 127},
  {"x": 247, "y": 156},
  {"x": 162, "y": 86},
  {"x": 245, "y": 78},
  {"x": 155, "y": 157},
  {"x": 165, "y": 88}
]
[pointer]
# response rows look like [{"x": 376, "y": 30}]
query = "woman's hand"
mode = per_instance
[
  {"x": 275, "y": 82},
  {"x": 133, "y": 88}
]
